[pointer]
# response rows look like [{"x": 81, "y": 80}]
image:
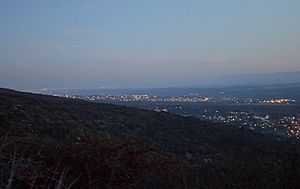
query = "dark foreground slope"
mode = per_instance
[{"x": 211, "y": 155}]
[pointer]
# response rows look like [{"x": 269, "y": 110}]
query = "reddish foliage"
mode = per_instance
[{"x": 89, "y": 162}]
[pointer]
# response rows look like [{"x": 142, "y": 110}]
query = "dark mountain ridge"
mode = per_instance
[
  {"x": 56, "y": 117},
  {"x": 206, "y": 155}
]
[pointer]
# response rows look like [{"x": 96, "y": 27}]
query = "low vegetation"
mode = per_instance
[
  {"x": 80, "y": 161},
  {"x": 85, "y": 160}
]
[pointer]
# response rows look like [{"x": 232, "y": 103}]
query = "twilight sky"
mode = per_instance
[{"x": 144, "y": 43}]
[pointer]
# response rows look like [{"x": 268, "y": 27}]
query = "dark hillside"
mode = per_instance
[
  {"x": 56, "y": 117},
  {"x": 184, "y": 152}
]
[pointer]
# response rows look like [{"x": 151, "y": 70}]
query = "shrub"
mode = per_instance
[{"x": 88, "y": 161}]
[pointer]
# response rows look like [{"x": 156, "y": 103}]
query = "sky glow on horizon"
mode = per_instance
[{"x": 139, "y": 43}]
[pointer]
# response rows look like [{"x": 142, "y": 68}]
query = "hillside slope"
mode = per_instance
[
  {"x": 184, "y": 136},
  {"x": 49, "y": 142}
]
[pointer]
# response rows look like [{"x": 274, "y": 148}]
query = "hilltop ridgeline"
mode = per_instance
[{"x": 89, "y": 145}]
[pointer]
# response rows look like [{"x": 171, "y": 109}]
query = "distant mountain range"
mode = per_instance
[{"x": 258, "y": 79}]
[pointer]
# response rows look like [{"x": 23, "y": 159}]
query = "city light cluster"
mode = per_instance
[{"x": 279, "y": 101}]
